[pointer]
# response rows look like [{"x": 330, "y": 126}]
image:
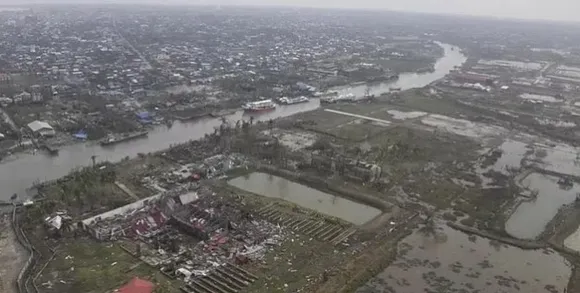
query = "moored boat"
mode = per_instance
[
  {"x": 259, "y": 106},
  {"x": 291, "y": 101}
]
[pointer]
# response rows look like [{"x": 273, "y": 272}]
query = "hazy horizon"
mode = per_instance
[{"x": 555, "y": 10}]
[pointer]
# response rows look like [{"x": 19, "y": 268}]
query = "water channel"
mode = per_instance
[
  {"x": 452, "y": 58},
  {"x": 18, "y": 174},
  {"x": 331, "y": 205}
]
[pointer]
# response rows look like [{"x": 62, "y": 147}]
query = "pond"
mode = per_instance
[{"x": 331, "y": 205}]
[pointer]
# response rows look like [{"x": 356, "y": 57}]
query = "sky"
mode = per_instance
[{"x": 558, "y": 10}]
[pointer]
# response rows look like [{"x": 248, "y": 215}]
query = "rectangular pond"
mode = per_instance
[{"x": 331, "y": 205}]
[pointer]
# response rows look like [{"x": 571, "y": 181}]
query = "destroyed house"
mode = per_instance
[
  {"x": 198, "y": 221},
  {"x": 142, "y": 217}
]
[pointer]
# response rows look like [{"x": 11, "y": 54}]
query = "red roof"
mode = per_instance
[{"x": 137, "y": 286}]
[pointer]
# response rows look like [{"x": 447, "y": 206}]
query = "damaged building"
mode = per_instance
[{"x": 188, "y": 233}]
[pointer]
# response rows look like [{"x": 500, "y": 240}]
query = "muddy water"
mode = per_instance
[
  {"x": 530, "y": 218},
  {"x": 453, "y": 57},
  {"x": 19, "y": 173},
  {"x": 277, "y": 187},
  {"x": 513, "y": 152},
  {"x": 454, "y": 262},
  {"x": 463, "y": 127}
]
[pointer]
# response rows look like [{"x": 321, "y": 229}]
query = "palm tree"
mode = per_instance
[
  {"x": 430, "y": 228},
  {"x": 270, "y": 124}
]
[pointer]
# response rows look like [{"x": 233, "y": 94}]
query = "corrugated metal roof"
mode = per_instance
[{"x": 38, "y": 125}]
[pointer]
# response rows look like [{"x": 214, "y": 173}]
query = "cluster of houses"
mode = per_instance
[{"x": 34, "y": 95}]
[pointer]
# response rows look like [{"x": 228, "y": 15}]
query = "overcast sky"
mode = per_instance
[{"x": 567, "y": 10}]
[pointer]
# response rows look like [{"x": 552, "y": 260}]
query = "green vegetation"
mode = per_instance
[
  {"x": 87, "y": 266},
  {"x": 83, "y": 191}
]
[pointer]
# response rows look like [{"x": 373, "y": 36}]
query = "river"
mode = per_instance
[
  {"x": 16, "y": 175},
  {"x": 452, "y": 57}
]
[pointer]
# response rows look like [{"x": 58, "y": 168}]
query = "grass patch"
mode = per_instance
[{"x": 87, "y": 266}]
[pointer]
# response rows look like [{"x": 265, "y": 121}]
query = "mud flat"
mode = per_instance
[
  {"x": 463, "y": 127},
  {"x": 531, "y": 217},
  {"x": 451, "y": 261},
  {"x": 402, "y": 115},
  {"x": 513, "y": 152},
  {"x": 331, "y": 205},
  {"x": 12, "y": 256}
]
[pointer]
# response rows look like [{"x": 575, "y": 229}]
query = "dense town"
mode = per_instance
[{"x": 224, "y": 150}]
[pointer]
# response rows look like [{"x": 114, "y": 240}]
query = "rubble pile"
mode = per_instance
[
  {"x": 189, "y": 232},
  {"x": 211, "y": 167},
  {"x": 142, "y": 217},
  {"x": 220, "y": 232}
]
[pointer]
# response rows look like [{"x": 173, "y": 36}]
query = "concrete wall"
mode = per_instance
[{"x": 119, "y": 211}]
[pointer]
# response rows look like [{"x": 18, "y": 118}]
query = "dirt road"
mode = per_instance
[{"x": 12, "y": 256}]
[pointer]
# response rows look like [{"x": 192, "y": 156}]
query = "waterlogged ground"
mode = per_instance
[
  {"x": 450, "y": 261},
  {"x": 530, "y": 218},
  {"x": 463, "y": 127}
]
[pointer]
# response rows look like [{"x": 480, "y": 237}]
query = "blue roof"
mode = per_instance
[
  {"x": 81, "y": 135},
  {"x": 143, "y": 115}
]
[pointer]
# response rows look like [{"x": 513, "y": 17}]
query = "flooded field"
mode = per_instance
[
  {"x": 562, "y": 158},
  {"x": 451, "y": 261},
  {"x": 530, "y": 218},
  {"x": 277, "y": 187},
  {"x": 513, "y": 152}
]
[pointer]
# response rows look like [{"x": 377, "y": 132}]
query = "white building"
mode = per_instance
[{"x": 41, "y": 128}]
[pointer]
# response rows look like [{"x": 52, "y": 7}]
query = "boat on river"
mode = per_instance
[
  {"x": 259, "y": 106},
  {"x": 114, "y": 139},
  {"x": 292, "y": 101}
]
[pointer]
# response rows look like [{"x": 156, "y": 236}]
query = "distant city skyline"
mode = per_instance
[{"x": 557, "y": 10}]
